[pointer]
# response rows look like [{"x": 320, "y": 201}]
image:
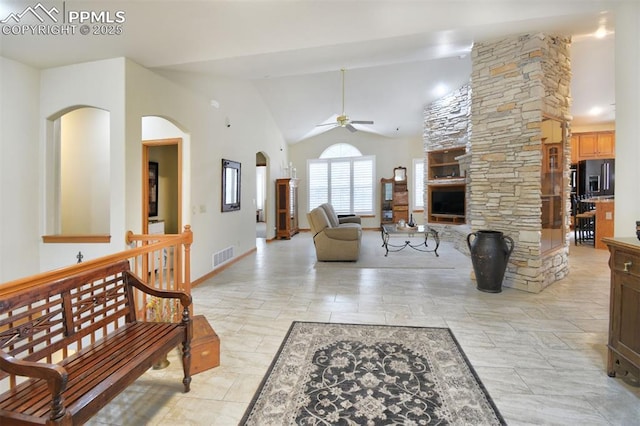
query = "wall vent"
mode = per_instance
[{"x": 222, "y": 256}]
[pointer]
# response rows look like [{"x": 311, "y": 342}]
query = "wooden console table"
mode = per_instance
[{"x": 624, "y": 328}]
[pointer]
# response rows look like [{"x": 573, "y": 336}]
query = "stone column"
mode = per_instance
[{"x": 514, "y": 82}]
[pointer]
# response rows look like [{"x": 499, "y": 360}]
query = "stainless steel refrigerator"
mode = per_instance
[{"x": 596, "y": 178}]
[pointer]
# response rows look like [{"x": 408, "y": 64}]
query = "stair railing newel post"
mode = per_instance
[{"x": 490, "y": 252}]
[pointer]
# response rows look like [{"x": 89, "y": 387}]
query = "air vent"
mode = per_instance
[{"x": 222, "y": 256}]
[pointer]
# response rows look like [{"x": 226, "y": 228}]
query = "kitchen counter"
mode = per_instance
[{"x": 604, "y": 218}]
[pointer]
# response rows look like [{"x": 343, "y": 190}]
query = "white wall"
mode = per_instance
[
  {"x": 252, "y": 129},
  {"x": 129, "y": 92},
  {"x": 390, "y": 153},
  {"x": 97, "y": 84},
  {"x": 19, "y": 170},
  {"x": 627, "y": 208}
]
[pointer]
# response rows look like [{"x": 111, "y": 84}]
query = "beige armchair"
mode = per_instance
[
  {"x": 336, "y": 219},
  {"x": 334, "y": 243}
]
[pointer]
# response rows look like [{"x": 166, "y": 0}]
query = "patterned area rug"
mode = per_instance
[{"x": 343, "y": 374}]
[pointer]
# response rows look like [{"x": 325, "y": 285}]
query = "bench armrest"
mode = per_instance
[
  {"x": 55, "y": 375},
  {"x": 37, "y": 370},
  {"x": 185, "y": 299}
]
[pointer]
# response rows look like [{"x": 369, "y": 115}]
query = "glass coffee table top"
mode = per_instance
[{"x": 416, "y": 237}]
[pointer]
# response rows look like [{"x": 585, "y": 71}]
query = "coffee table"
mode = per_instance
[{"x": 392, "y": 230}]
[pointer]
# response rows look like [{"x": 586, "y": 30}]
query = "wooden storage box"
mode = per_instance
[{"x": 205, "y": 346}]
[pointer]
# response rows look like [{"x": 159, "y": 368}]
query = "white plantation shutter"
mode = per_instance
[
  {"x": 363, "y": 184},
  {"x": 418, "y": 183},
  {"x": 318, "y": 183},
  {"x": 346, "y": 183},
  {"x": 340, "y": 194}
]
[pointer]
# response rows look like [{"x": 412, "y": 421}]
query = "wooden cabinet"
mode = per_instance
[
  {"x": 624, "y": 315},
  {"x": 286, "y": 208},
  {"x": 400, "y": 195},
  {"x": 552, "y": 157},
  {"x": 386, "y": 200},
  {"x": 575, "y": 143},
  {"x": 593, "y": 145},
  {"x": 394, "y": 197},
  {"x": 443, "y": 164},
  {"x": 446, "y": 186}
]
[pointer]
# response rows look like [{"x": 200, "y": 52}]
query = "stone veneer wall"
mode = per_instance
[
  {"x": 447, "y": 121},
  {"x": 447, "y": 124},
  {"x": 514, "y": 82}
]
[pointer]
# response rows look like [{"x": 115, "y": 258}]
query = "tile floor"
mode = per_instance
[{"x": 541, "y": 356}]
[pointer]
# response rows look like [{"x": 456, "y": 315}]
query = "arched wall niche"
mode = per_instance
[{"x": 78, "y": 175}]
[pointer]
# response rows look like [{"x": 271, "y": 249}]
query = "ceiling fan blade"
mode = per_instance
[
  {"x": 326, "y": 124},
  {"x": 361, "y": 122},
  {"x": 351, "y": 128}
]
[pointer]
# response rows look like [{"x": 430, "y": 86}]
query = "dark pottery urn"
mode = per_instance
[{"x": 490, "y": 251}]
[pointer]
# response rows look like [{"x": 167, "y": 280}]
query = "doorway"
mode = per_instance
[
  {"x": 261, "y": 195},
  {"x": 162, "y": 186}
]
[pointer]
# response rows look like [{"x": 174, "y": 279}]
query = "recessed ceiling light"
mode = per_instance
[
  {"x": 601, "y": 32},
  {"x": 440, "y": 89},
  {"x": 595, "y": 111}
]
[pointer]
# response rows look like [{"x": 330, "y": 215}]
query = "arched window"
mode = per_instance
[
  {"x": 343, "y": 177},
  {"x": 340, "y": 150}
]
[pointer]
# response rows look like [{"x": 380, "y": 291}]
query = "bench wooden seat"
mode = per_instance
[{"x": 61, "y": 320}]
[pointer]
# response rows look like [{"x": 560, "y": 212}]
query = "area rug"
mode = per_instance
[
  {"x": 372, "y": 255},
  {"x": 346, "y": 374}
]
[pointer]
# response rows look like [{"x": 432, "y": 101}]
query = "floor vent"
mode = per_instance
[{"x": 222, "y": 256}]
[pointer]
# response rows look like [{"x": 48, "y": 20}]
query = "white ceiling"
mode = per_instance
[{"x": 395, "y": 52}]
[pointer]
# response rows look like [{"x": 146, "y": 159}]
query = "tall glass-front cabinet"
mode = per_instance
[
  {"x": 286, "y": 208},
  {"x": 394, "y": 197}
]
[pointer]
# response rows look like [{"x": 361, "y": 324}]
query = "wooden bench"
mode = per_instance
[{"x": 69, "y": 347}]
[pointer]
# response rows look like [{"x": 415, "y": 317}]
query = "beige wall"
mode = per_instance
[
  {"x": 389, "y": 153},
  {"x": 19, "y": 166}
]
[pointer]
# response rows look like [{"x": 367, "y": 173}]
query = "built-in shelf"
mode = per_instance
[
  {"x": 446, "y": 187},
  {"x": 443, "y": 164}
]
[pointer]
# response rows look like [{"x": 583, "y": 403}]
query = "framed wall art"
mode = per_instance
[{"x": 153, "y": 188}]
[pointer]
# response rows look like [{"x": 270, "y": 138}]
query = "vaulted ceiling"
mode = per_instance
[{"x": 399, "y": 55}]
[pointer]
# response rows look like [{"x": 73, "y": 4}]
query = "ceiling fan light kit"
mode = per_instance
[{"x": 343, "y": 119}]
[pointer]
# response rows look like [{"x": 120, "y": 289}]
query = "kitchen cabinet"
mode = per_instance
[
  {"x": 624, "y": 339},
  {"x": 575, "y": 142},
  {"x": 593, "y": 145}
]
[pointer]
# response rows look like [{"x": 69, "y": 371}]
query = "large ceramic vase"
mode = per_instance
[{"x": 490, "y": 251}]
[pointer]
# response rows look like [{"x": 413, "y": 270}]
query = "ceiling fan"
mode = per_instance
[{"x": 343, "y": 120}]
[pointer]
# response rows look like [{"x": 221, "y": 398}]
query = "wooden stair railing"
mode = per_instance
[
  {"x": 173, "y": 274},
  {"x": 165, "y": 263}
]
